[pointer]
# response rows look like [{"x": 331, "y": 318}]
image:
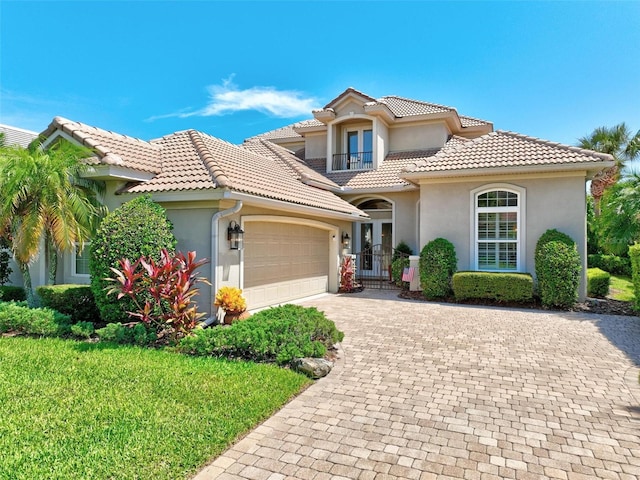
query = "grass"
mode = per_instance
[
  {"x": 621, "y": 288},
  {"x": 98, "y": 411}
]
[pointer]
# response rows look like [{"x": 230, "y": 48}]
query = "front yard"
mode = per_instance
[{"x": 96, "y": 411}]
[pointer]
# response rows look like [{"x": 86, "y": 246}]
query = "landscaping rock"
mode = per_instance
[{"x": 312, "y": 367}]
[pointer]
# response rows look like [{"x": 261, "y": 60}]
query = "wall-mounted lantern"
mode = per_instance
[
  {"x": 346, "y": 241},
  {"x": 234, "y": 235}
]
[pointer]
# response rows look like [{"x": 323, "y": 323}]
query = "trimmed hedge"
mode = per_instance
[
  {"x": 610, "y": 263},
  {"x": 558, "y": 270},
  {"x": 277, "y": 334},
  {"x": 74, "y": 300},
  {"x": 598, "y": 282},
  {"x": 501, "y": 287},
  {"x": 137, "y": 228},
  {"x": 438, "y": 263},
  {"x": 397, "y": 269},
  {"x": 33, "y": 321},
  {"x": 12, "y": 294},
  {"x": 634, "y": 255}
]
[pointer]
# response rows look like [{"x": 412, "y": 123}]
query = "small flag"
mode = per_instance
[{"x": 407, "y": 274}]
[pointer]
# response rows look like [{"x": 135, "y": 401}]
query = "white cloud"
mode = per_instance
[{"x": 228, "y": 98}]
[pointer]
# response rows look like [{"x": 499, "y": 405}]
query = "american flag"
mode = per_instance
[{"x": 407, "y": 274}]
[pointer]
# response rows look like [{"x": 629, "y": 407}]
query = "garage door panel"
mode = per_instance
[{"x": 283, "y": 262}]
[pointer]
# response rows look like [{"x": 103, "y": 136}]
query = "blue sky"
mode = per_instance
[{"x": 236, "y": 69}]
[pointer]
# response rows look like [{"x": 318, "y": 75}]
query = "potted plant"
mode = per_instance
[{"x": 230, "y": 299}]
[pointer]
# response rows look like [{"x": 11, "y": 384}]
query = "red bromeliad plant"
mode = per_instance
[
  {"x": 347, "y": 274},
  {"x": 162, "y": 292}
]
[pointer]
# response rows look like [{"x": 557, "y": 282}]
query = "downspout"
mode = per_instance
[{"x": 215, "y": 236}]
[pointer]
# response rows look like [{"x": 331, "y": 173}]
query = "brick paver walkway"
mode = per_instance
[{"x": 426, "y": 391}]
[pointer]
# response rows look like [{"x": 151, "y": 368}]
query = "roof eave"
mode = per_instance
[
  {"x": 296, "y": 207},
  {"x": 117, "y": 172},
  {"x": 590, "y": 169}
]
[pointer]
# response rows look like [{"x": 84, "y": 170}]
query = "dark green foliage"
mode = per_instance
[
  {"x": 5, "y": 269},
  {"x": 401, "y": 250},
  {"x": 138, "y": 334},
  {"x": 397, "y": 269},
  {"x": 558, "y": 270},
  {"x": 12, "y": 294},
  {"x": 634, "y": 254},
  {"x": 278, "y": 334},
  {"x": 82, "y": 329},
  {"x": 610, "y": 263},
  {"x": 438, "y": 263},
  {"x": 598, "y": 282},
  {"x": 33, "y": 321},
  {"x": 137, "y": 228},
  {"x": 73, "y": 300},
  {"x": 501, "y": 287}
]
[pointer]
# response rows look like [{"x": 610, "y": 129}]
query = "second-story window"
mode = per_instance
[{"x": 359, "y": 151}]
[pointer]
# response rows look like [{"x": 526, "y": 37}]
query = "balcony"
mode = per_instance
[{"x": 353, "y": 161}]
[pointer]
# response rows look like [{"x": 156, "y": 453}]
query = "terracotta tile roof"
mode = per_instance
[
  {"x": 287, "y": 131},
  {"x": 505, "y": 149},
  {"x": 347, "y": 92},
  {"x": 196, "y": 161},
  {"x": 111, "y": 148},
  {"x": 17, "y": 136},
  {"x": 287, "y": 160},
  {"x": 405, "y": 107}
]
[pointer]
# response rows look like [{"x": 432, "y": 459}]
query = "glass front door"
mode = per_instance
[{"x": 375, "y": 241}]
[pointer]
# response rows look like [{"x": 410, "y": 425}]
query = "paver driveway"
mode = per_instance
[{"x": 424, "y": 390}]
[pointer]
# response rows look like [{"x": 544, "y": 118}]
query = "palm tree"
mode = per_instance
[
  {"x": 618, "y": 142},
  {"x": 44, "y": 195}
]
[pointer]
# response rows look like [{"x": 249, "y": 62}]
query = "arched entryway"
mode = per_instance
[{"x": 374, "y": 242}]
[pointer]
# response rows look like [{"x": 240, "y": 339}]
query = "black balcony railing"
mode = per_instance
[{"x": 353, "y": 161}]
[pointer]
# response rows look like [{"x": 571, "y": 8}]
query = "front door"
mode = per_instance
[{"x": 375, "y": 241}]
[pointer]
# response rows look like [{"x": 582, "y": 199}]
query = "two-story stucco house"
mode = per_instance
[{"x": 377, "y": 171}]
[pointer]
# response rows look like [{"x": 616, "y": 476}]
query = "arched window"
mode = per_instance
[{"x": 498, "y": 236}]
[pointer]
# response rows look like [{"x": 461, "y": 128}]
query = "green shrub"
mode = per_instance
[
  {"x": 438, "y": 263},
  {"x": 610, "y": 263},
  {"x": 138, "y": 334},
  {"x": 73, "y": 300},
  {"x": 598, "y": 282},
  {"x": 277, "y": 334},
  {"x": 33, "y": 321},
  {"x": 397, "y": 269},
  {"x": 402, "y": 250},
  {"x": 634, "y": 255},
  {"x": 82, "y": 329},
  {"x": 12, "y": 294},
  {"x": 137, "y": 228},
  {"x": 501, "y": 287},
  {"x": 558, "y": 269}
]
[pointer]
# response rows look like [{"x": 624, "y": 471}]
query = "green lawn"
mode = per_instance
[
  {"x": 73, "y": 410},
  {"x": 621, "y": 288}
]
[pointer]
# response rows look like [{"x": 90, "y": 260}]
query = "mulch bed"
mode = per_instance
[{"x": 603, "y": 306}]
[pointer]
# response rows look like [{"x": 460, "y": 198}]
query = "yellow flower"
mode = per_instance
[{"x": 230, "y": 299}]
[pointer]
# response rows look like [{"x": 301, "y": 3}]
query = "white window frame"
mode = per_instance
[
  {"x": 521, "y": 223},
  {"x": 360, "y": 131},
  {"x": 74, "y": 271}
]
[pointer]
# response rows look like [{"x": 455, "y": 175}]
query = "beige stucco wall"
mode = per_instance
[
  {"x": 315, "y": 146},
  {"x": 446, "y": 211},
  {"x": 348, "y": 107},
  {"x": 417, "y": 137}
]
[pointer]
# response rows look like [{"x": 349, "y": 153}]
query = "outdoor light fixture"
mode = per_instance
[
  {"x": 234, "y": 235},
  {"x": 346, "y": 241}
]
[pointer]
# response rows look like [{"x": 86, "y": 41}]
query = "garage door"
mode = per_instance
[{"x": 284, "y": 262}]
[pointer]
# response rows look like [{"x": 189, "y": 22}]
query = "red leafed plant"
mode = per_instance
[
  {"x": 347, "y": 275},
  {"x": 162, "y": 291}
]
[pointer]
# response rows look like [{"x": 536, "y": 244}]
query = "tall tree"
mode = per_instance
[
  {"x": 45, "y": 196},
  {"x": 619, "y": 223},
  {"x": 617, "y": 141}
]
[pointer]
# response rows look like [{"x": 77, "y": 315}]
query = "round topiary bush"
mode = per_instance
[
  {"x": 558, "y": 269},
  {"x": 139, "y": 227},
  {"x": 438, "y": 263}
]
